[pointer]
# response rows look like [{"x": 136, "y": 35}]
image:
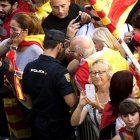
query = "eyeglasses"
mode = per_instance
[
  {"x": 72, "y": 51},
  {"x": 89, "y": 8},
  {"x": 95, "y": 18},
  {"x": 100, "y": 73}
]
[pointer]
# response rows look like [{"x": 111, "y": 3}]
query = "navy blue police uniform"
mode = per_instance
[{"x": 47, "y": 82}]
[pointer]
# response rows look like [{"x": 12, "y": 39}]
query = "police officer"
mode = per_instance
[{"x": 47, "y": 83}]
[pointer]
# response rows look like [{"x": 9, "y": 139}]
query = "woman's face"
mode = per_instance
[
  {"x": 14, "y": 28},
  {"x": 98, "y": 45},
  {"x": 131, "y": 120},
  {"x": 99, "y": 75},
  {"x": 135, "y": 89}
]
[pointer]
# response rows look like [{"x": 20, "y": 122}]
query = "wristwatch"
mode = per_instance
[{"x": 13, "y": 47}]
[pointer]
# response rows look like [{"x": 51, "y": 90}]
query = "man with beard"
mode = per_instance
[
  {"x": 47, "y": 83},
  {"x": 8, "y": 8}
]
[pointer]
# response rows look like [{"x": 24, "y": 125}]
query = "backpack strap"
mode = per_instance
[
  {"x": 128, "y": 27},
  {"x": 87, "y": 29}
]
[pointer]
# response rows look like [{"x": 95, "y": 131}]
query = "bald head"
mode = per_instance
[{"x": 83, "y": 45}]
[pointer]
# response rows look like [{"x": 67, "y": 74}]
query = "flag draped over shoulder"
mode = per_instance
[
  {"x": 113, "y": 13},
  {"x": 29, "y": 40},
  {"x": 33, "y": 39}
]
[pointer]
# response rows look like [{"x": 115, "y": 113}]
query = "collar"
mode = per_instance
[{"x": 48, "y": 58}]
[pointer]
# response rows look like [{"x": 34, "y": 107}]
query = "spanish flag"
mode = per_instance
[
  {"x": 29, "y": 40},
  {"x": 17, "y": 85},
  {"x": 113, "y": 13},
  {"x": 33, "y": 39},
  {"x": 43, "y": 10},
  {"x": 113, "y": 57}
]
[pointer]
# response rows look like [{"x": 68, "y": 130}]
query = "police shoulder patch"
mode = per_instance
[{"x": 67, "y": 76}]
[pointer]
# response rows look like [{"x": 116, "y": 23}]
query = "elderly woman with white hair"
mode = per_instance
[
  {"x": 100, "y": 75},
  {"x": 107, "y": 48}
]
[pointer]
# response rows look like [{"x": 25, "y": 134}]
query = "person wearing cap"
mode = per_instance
[
  {"x": 63, "y": 16},
  {"x": 47, "y": 83}
]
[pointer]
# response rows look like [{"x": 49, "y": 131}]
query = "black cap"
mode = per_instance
[
  {"x": 2, "y": 30},
  {"x": 55, "y": 35}
]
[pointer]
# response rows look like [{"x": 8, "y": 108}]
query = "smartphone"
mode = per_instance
[
  {"x": 77, "y": 19},
  {"x": 90, "y": 91}
]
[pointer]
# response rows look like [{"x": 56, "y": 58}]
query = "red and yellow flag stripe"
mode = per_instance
[{"x": 113, "y": 13}]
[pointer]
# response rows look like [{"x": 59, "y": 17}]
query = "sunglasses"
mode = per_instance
[
  {"x": 89, "y": 8},
  {"x": 95, "y": 18}
]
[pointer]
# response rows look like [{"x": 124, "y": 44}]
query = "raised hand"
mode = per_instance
[
  {"x": 72, "y": 28},
  {"x": 83, "y": 99},
  {"x": 85, "y": 18},
  {"x": 95, "y": 103},
  {"x": 17, "y": 38}
]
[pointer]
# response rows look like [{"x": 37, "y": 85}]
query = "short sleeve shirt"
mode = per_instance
[{"x": 47, "y": 82}]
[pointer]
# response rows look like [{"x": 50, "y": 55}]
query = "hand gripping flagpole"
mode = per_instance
[{"x": 107, "y": 22}]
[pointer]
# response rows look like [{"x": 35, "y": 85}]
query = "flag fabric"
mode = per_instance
[
  {"x": 17, "y": 85},
  {"x": 43, "y": 10},
  {"x": 114, "y": 58},
  {"x": 113, "y": 13},
  {"x": 29, "y": 40},
  {"x": 33, "y": 39}
]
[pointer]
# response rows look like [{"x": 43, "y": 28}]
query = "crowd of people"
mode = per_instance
[{"x": 50, "y": 50}]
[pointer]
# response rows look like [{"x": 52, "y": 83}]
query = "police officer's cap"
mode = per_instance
[{"x": 55, "y": 35}]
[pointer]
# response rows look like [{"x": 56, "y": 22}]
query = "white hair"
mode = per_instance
[{"x": 87, "y": 50}]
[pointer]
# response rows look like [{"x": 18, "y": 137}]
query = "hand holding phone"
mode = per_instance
[
  {"x": 90, "y": 91},
  {"x": 77, "y": 19}
]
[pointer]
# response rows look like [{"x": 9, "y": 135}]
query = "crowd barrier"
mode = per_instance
[{"x": 87, "y": 130}]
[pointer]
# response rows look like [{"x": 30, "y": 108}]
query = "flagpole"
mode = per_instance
[{"x": 130, "y": 55}]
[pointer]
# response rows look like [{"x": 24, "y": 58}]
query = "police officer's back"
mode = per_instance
[{"x": 47, "y": 83}]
